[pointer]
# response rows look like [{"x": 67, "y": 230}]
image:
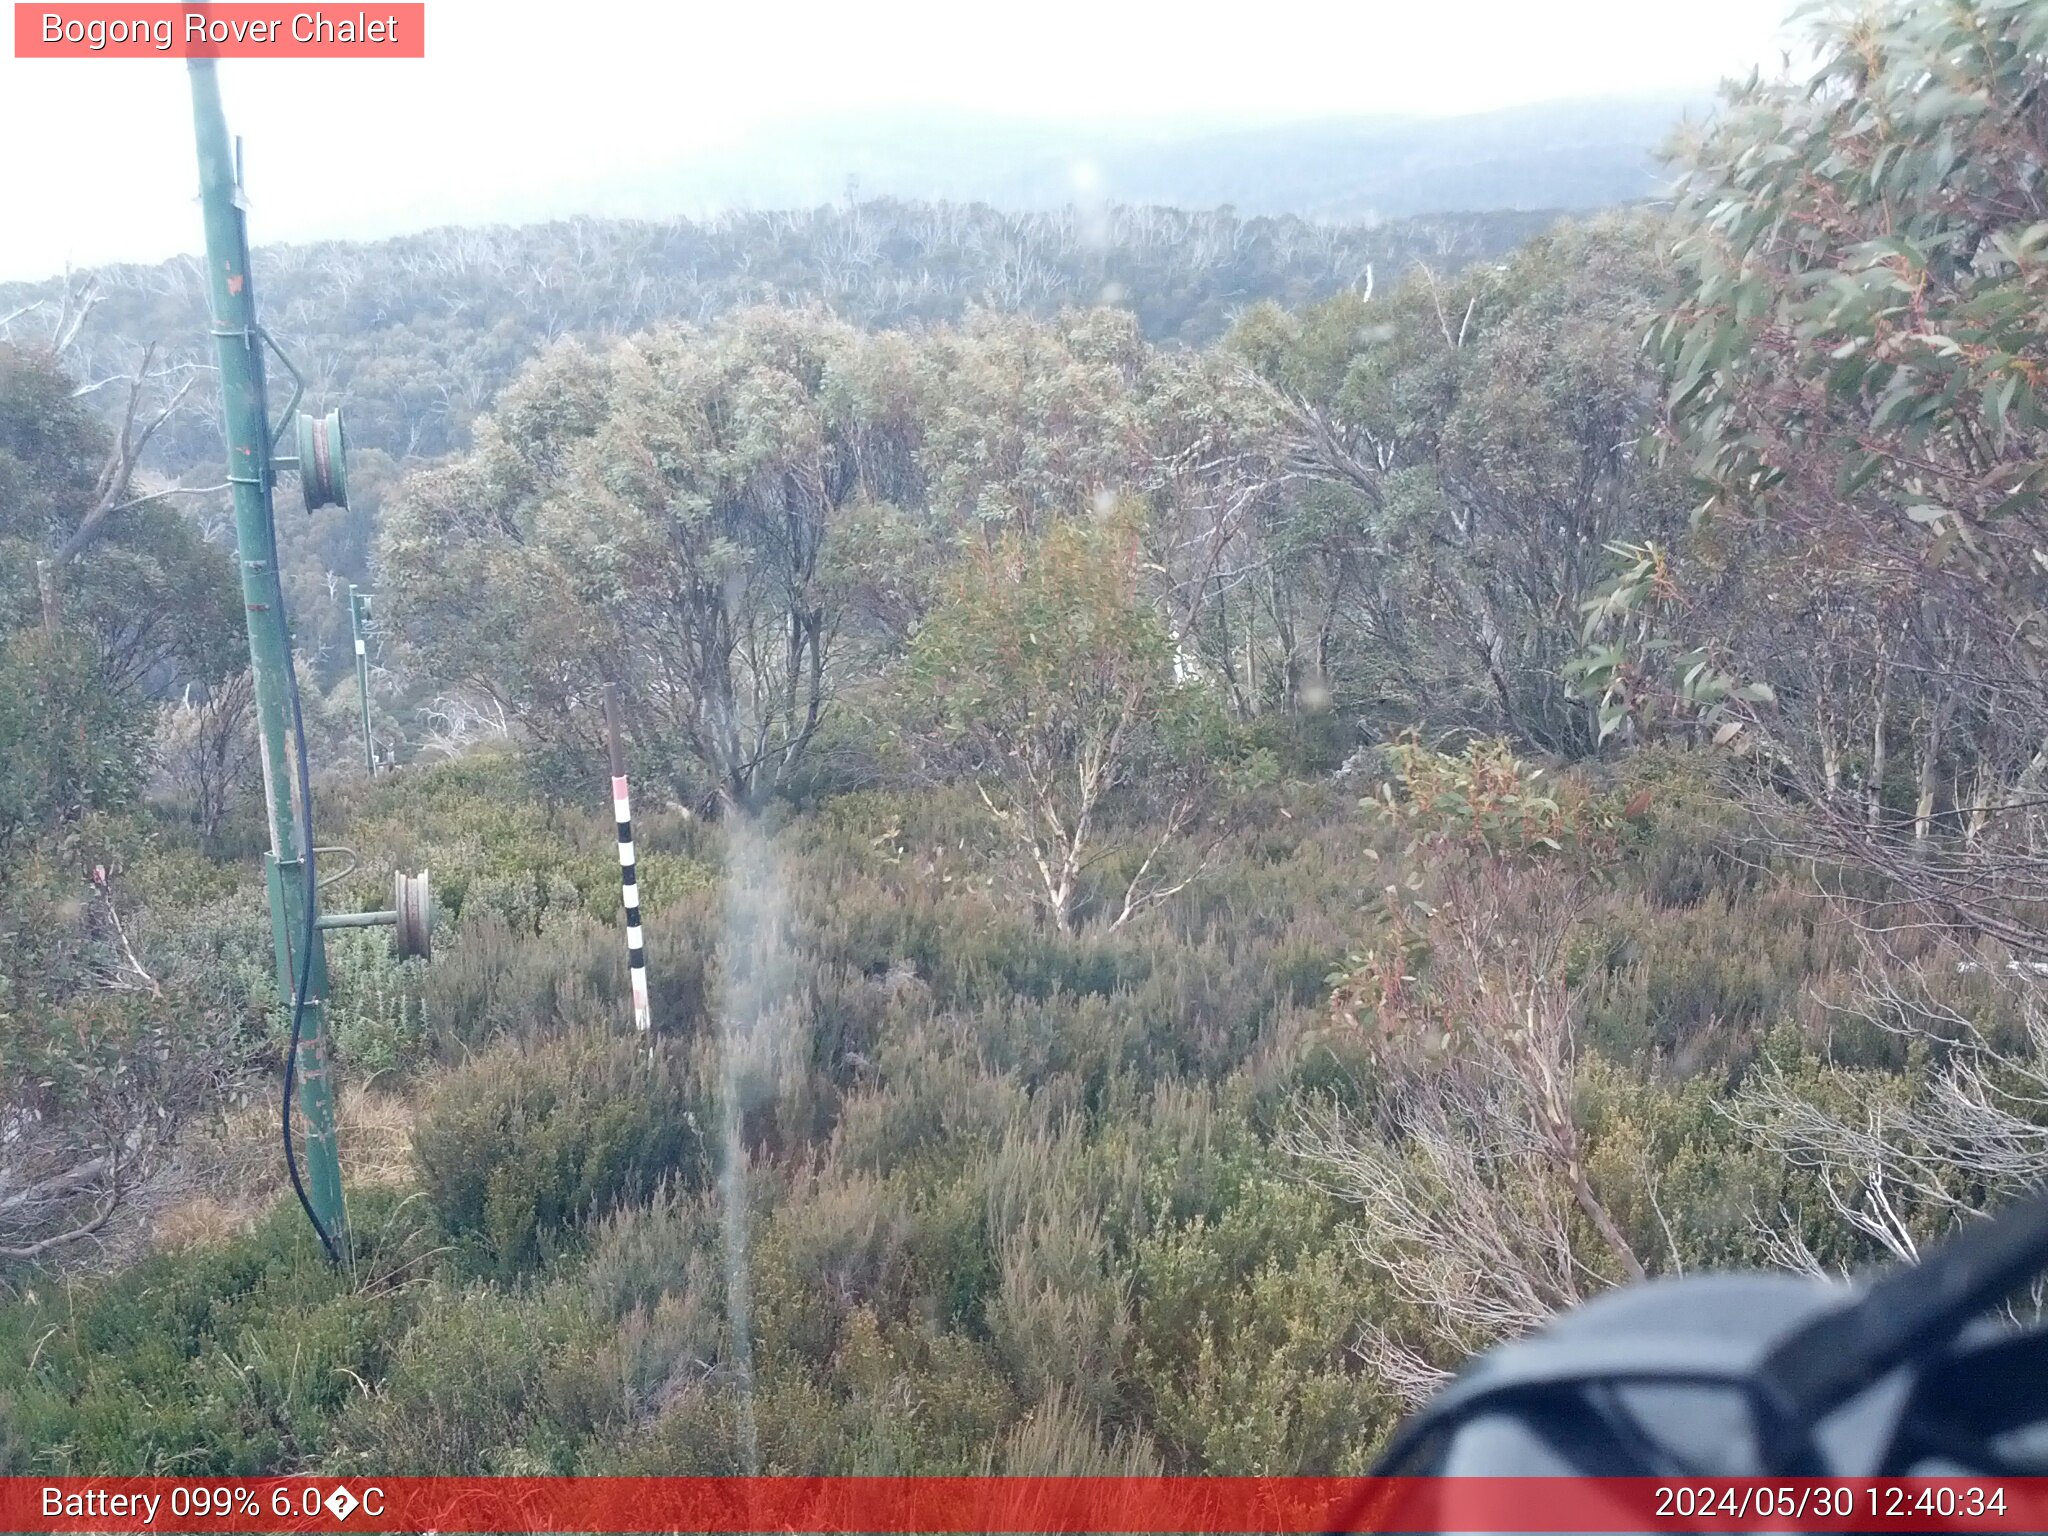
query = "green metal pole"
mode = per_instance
[
  {"x": 245, "y": 410},
  {"x": 355, "y": 623}
]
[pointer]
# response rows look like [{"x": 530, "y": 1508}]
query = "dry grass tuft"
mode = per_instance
[
  {"x": 231, "y": 1170},
  {"x": 200, "y": 1222},
  {"x": 376, "y": 1137}
]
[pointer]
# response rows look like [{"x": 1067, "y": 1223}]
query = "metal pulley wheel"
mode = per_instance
[
  {"x": 413, "y": 935},
  {"x": 323, "y": 470}
]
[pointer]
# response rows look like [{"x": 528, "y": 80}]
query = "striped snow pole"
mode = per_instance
[{"x": 629, "y": 879}]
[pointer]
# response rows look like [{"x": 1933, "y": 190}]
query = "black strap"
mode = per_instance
[{"x": 1901, "y": 1317}]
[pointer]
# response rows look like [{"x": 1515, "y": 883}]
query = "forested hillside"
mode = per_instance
[
  {"x": 1208, "y": 850},
  {"x": 416, "y": 336},
  {"x": 418, "y": 333}
]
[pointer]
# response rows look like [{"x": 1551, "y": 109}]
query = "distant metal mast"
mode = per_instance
[{"x": 358, "y": 604}]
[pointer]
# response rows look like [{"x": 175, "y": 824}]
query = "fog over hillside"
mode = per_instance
[
  {"x": 1567, "y": 154},
  {"x": 1570, "y": 155}
]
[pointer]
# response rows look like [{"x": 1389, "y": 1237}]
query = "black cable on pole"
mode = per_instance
[{"x": 309, "y": 933}]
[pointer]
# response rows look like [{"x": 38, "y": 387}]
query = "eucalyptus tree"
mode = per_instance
[
  {"x": 1047, "y": 677},
  {"x": 1029, "y": 421},
  {"x": 1856, "y": 376},
  {"x": 108, "y": 599},
  {"x": 662, "y": 515},
  {"x": 1476, "y": 441}
]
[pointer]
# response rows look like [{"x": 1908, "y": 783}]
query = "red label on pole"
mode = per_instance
[
  {"x": 1281, "y": 1506},
  {"x": 219, "y": 31}
]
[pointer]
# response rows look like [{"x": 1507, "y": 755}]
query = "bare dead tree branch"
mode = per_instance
[
  {"x": 73, "y": 310},
  {"x": 70, "y": 1182},
  {"x": 110, "y": 494},
  {"x": 1470, "y": 1179}
]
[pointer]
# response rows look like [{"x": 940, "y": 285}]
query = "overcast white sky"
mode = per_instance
[{"x": 518, "y": 99}]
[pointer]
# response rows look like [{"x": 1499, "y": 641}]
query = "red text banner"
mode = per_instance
[
  {"x": 1025, "y": 1505},
  {"x": 220, "y": 31}
]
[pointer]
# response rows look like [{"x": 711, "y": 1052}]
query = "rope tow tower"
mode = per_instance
[{"x": 296, "y": 924}]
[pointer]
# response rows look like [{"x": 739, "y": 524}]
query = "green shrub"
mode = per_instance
[
  {"x": 374, "y": 1008},
  {"x": 1012, "y": 1200},
  {"x": 226, "y": 1361},
  {"x": 932, "y": 1104},
  {"x": 487, "y": 1384},
  {"x": 1247, "y": 1326},
  {"x": 72, "y": 740},
  {"x": 522, "y": 1148}
]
